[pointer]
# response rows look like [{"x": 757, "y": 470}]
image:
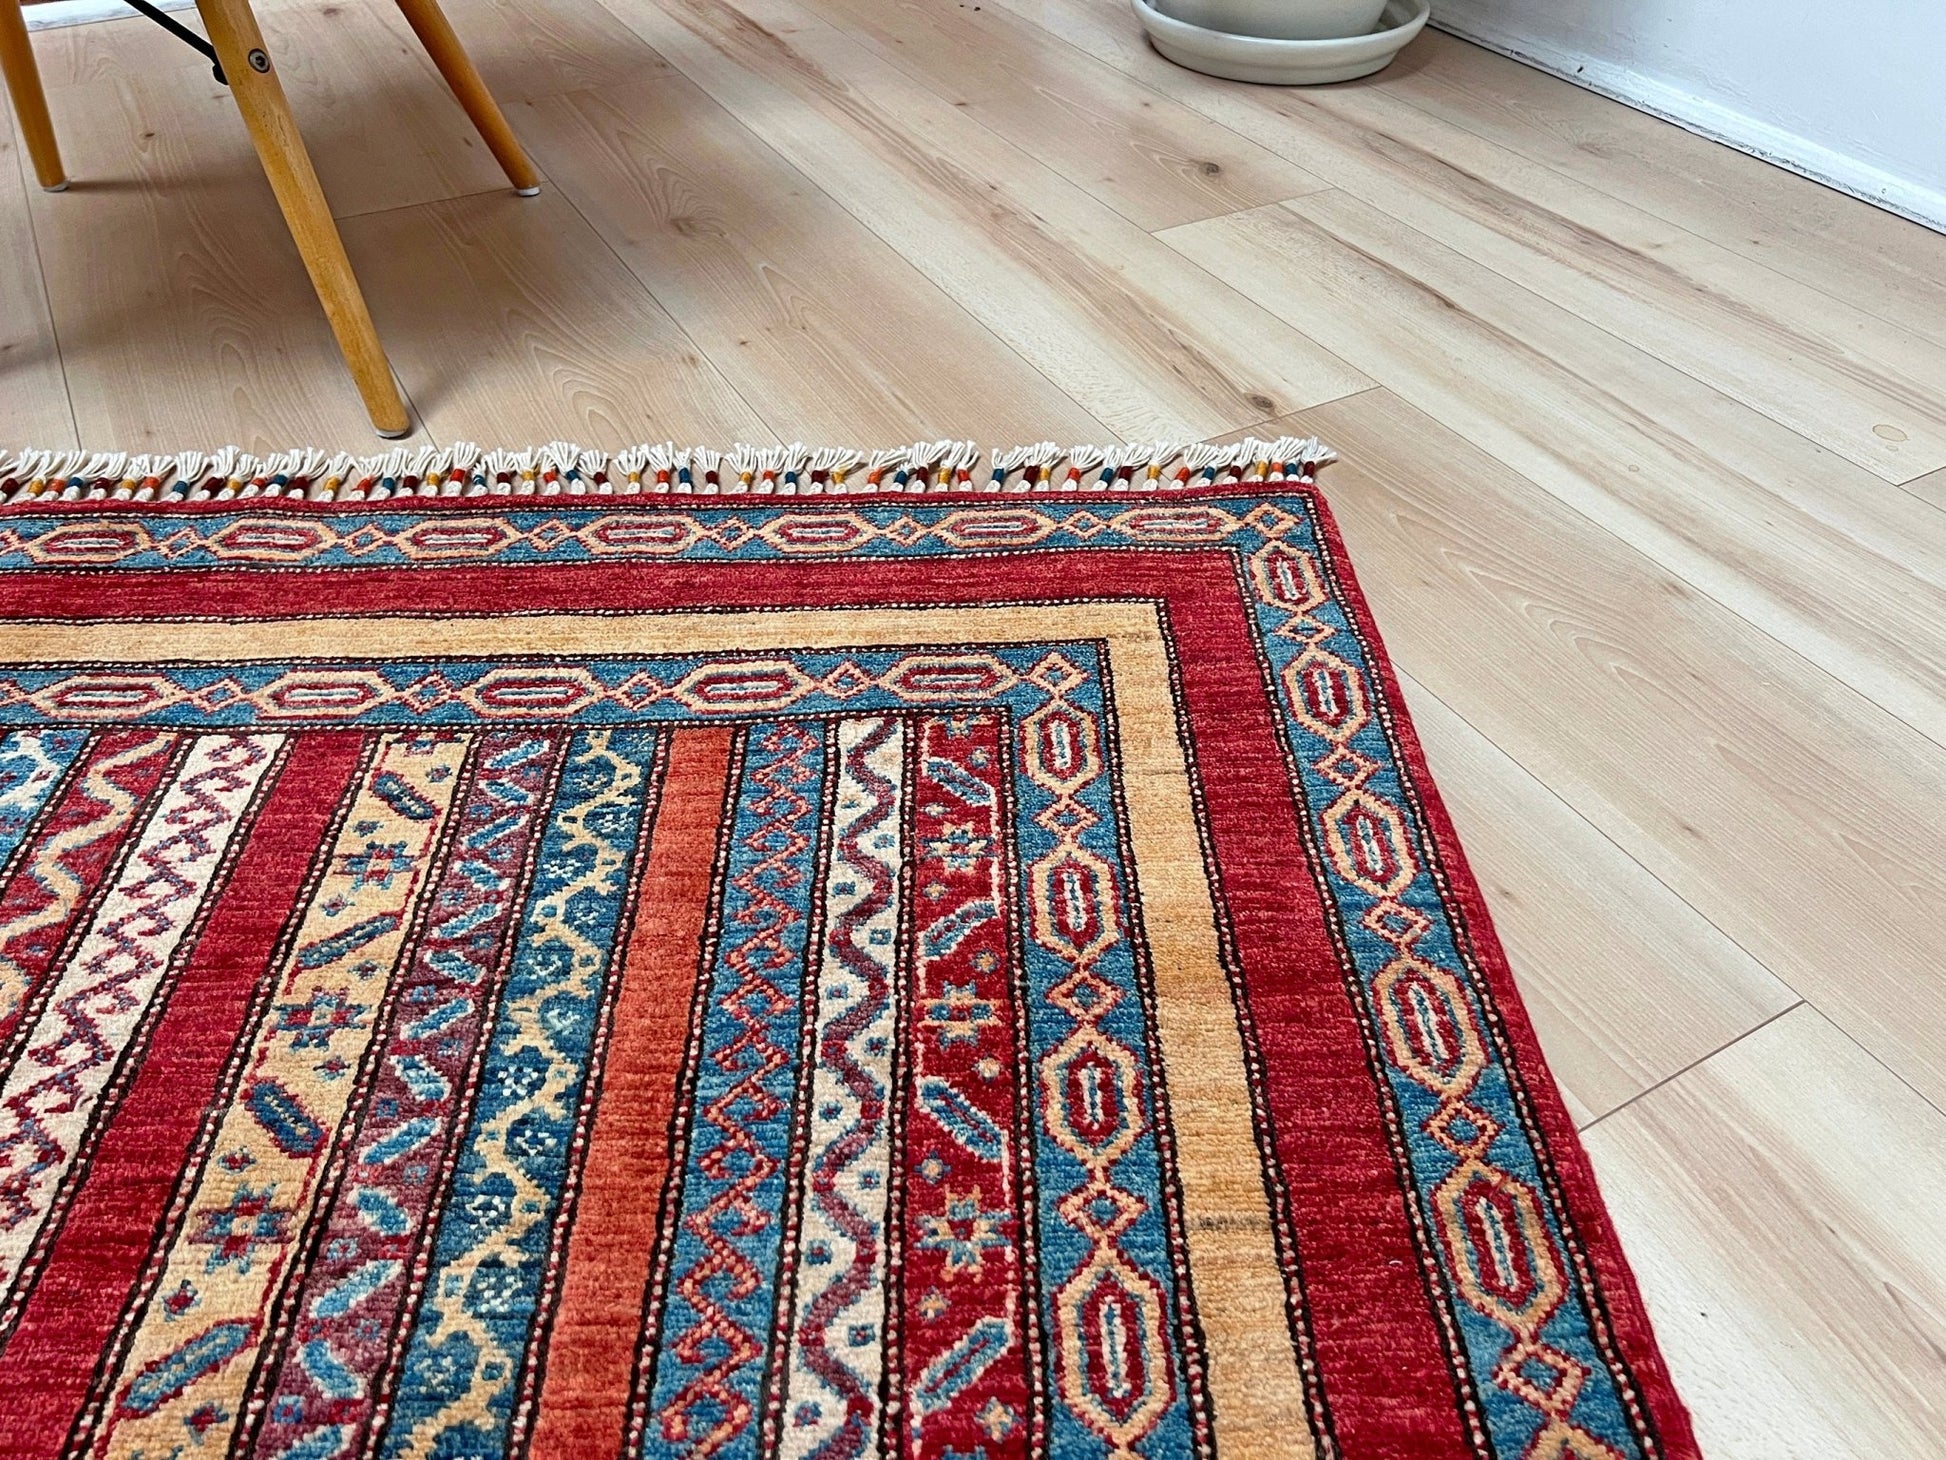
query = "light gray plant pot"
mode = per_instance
[
  {"x": 1283, "y": 42},
  {"x": 1280, "y": 20}
]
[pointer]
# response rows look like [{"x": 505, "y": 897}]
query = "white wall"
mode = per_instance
[{"x": 1852, "y": 92}]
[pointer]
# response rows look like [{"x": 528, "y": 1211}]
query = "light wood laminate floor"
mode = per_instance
[{"x": 1644, "y": 469}]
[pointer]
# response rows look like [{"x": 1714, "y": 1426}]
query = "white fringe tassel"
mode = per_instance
[{"x": 563, "y": 469}]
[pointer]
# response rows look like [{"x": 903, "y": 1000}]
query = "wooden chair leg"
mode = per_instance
[
  {"x": 232, "y": 28},
  {"x": 436, "y": 34},
  {"x": 30, "y": 102}
]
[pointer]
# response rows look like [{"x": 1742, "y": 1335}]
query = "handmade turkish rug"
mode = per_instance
[{"x": 774, "y": 955}]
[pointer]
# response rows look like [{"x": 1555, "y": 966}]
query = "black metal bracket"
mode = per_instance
[{"x": 184, "y": 34}]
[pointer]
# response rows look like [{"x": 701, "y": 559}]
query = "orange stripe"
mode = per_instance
[{"x": 591, "y": 1353}]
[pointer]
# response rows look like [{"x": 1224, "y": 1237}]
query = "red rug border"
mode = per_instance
[{"x": 1626, "y": 1309}]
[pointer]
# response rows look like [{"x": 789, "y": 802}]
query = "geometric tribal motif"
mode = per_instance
[{"x": 944, "y": 966}]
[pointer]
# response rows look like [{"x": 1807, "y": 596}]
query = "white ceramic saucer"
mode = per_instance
[{"x": 1284, "y": 63}]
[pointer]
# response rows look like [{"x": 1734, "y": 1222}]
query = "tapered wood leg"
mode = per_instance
[
  {"x": 435, "y": 33},
  {"x": 259, "y": 96},
  {"x": 30, "y": 102}
]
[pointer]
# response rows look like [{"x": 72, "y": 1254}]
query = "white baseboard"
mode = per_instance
[
  {"x": 1719, "y": 123},
  {"x": 57, "y": 13}
]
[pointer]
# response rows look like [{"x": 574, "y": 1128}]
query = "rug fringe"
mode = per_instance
[{"x": 564, "y": 469}]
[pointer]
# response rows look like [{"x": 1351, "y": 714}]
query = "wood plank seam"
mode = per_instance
[
  {"x": 908, "y": 60},
  {"x": 40, "y": 280},
  {"x": 1930, "y": 489},
  {"x": 1702, "y": 1060},
  {"x": 1541, "y": 298},
  {"x": 758, "y": 141},
  {"x": 1406, "y": 100},
  {"x": 1420, "y": 686},
  {"x": 494, "y": 192},
  {"x": 1925, "y": 713},
  {"x": 1737, "y": 166},
  {"x": 1803, "y": 369},
  {"x": 1043, "y": 254},
  {"x": 639, "y": 283}
]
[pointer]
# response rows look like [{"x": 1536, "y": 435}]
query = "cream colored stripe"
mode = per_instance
[
  {"x": 1254, "y": 1382},
  {"x": 827, "y": 1253},
  {"x": 132, "y": 642},
  {"x": 1240, "y": 1294}
]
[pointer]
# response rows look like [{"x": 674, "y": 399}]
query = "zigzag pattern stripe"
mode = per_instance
[
  {"x": 831, "y": 1390},
  {"x": 51, "y": 886},
  {"x": 192, "y": 1351}
]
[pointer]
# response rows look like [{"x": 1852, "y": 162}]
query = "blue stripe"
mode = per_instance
[
  {"x": 542, "y": 1036},
  {"x": 767, "y": 902},
  {"x": 218, "y": 696},
  {"x": 1513, "y": 1423},
  {"x": 1064, "y": 1249}
]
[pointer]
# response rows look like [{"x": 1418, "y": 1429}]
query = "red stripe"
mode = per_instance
[
  {"x": 938, "y": 1304},
  {"x": 1378, "y": 1348},
  {"x": 591, "y": 1351},
  {"x": 46, "y": 1368}
]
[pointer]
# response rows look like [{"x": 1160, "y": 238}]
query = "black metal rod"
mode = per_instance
[{"x": 184, "y": 34}]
